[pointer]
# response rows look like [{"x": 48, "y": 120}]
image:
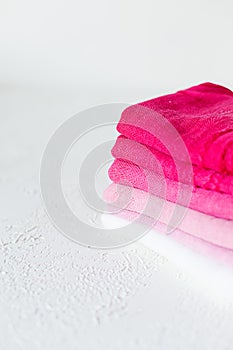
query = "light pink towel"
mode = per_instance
[
  {"x": 211, "y": 229},
  {"x": 221, "y": 255}
]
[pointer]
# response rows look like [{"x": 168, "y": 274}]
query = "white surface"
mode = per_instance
[
  {"x": 53, "y": 294},
  {"x": 209, "y": 271},
  {"x": 124, "y": 43}
]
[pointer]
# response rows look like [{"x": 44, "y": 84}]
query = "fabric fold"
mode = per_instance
[
  {"x": 178, "y": 148},
  {"x": 131, "y": 151},
  {"x": 208, "y": 202},
  {"x": 209, "y": 228},
  {"x": 202, "y": 115}
]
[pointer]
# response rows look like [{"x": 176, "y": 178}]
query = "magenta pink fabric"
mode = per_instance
[
  {"x": 209, "y": 202},
  {"x": 203, "y": 116},
  {"x": 132, "y": 151}
]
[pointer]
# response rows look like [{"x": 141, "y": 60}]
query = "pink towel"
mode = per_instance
[
  {"x": 209, "y": 202},
  {"x": 190, "y": 131},
  {"x": 147, "y": 157},
  {"x": 202, "y": 115},
  {"x": 223, "y": 256},
  {"x": 211, "y": 229},
  {"x": 179, "y": 147}
]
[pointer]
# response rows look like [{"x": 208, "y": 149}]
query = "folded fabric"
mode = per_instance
[
  {"x": 148, "y": 158},
  {"x": 206, "y": 201},
  {"x": 202, "y": 115},
  {"x": 180, "y": 147},
  {"x": 174, "y": 160},
  {"x": 209, "y": 228}
]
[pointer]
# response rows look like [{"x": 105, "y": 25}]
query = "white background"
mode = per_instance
[
  {"x": 57, "y": 58},
  {"x": 143, "y": 44}
]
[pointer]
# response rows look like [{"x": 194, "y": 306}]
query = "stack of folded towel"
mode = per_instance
[{"x": 179, "y": 148}]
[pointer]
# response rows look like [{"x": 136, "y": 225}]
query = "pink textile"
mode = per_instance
[
  {"x": 147, "y": 157},
  {"x": 195, "y": 244},
  {"x": 209, "y": 202},
  {"x": 179, "y": 148},
  {"x": 209, "y": 228},
  {"x": 203, "y": 116}
]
